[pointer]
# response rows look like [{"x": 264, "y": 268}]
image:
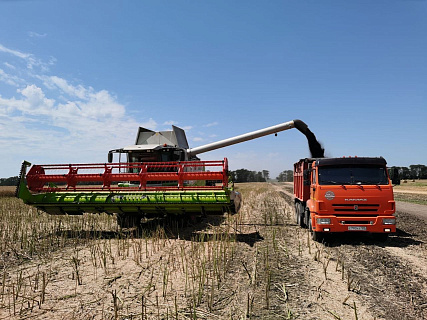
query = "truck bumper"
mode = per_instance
[{"x": 331, "y": 223}]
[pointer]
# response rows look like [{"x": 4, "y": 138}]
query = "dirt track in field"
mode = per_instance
[{"x": 254, "y": 265}]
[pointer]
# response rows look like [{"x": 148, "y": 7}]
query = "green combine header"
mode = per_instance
[{"x": 132, "y": 190}]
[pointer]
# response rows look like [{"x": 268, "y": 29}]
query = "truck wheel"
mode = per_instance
[
  {"x": 299, "y": 210},
  {"x": 296, "y": 207},
  {"x": 296, "y": 212},
  {"x": 316, "y": 236}
]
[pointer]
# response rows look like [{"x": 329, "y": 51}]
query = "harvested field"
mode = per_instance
[
  {"x": 256, "y": 265},
  {"x": 414, "y": 191},
  {"x": 7, "y": 191}
]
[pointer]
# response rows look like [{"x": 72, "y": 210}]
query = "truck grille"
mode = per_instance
[
  {"x": 360, "y": 215},
  {"x": 354, "y": 207}
]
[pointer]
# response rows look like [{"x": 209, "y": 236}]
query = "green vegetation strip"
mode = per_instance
[{"x": 412, "y": 198}]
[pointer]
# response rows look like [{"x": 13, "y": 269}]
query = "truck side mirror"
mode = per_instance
[{"x": 110, "y": 157}]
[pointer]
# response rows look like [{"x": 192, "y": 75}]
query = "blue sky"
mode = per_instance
[{"x": 77, "y": 78}]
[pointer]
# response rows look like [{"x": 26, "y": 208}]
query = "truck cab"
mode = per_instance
[{"x": 349, "y": 194}]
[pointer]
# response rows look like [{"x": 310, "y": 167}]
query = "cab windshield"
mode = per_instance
[{"x": 352, "y": 175}]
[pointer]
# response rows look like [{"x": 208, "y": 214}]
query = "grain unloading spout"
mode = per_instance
[
  {"x": 315, "y": 148},
  {"x": 247, "y": 136}
]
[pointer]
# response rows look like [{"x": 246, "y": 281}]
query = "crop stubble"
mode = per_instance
[{"x": 257, "y": 264}]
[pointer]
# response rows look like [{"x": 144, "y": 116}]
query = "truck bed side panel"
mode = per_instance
[{"x": 301, "y": 191}]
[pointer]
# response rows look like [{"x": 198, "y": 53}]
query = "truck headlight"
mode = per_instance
[
  {"x": 323, "y": 221},
  {"x": 389, "y": 221}
]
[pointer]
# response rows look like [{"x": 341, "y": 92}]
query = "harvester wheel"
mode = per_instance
[
  {"x": 236, "y": 201},
  {"x": 128, "y": 220}
]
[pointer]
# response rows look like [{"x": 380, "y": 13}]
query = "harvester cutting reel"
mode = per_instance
[{"x": 131, "y": 190}]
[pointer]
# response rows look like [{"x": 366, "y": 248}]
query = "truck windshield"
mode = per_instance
[{"x": 358, "y": 175}]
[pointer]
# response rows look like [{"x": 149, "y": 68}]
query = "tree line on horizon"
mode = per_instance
[
  {"x": 11, "y": 181},
  {"x": 414, "y": 171}
]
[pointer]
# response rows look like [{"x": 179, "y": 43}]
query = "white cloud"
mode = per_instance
[
  {"x": 212, "y": 124},
  {"x": 29, "y": 58},
  {"x": 55, "y": 82},
  {"x": 10, "y": 66},
  {"x": 34, "y": 125},
  {"x": 33, "y": 34},
  {"x": 35, "y": 101},
  {"x": 170, "y": 123},
  {"x": 9, "y": 79},
  {"x": 16, "y": 53},
  {"x": 53, "y": 120},
  {"x": 197, "y": 139}
]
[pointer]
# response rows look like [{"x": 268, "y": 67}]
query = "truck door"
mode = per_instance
[{"x": 313, "y": 185}]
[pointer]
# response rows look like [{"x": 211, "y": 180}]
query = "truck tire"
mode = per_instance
[
  {"x": 306, "y": 217},
  {"x": 316, "y": 236},
  {"x": 296, "y": 208},
  {"x": 299, "y": 211}
]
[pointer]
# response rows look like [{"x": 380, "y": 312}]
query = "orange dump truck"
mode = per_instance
[{"x": 350, "y": 194}]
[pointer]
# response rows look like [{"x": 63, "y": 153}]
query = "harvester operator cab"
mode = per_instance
[{"x": 145, "y": 153}]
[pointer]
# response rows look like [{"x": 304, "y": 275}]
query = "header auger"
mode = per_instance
[{"x": 161, "y": 176}]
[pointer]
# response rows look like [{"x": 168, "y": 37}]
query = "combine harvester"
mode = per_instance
[{"x": 161, "y": 176}]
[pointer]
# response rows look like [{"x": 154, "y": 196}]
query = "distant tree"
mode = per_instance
[
  {"x": 405, "y": 173},
  {"x": 285, "y": 176},
  {"x": 12, "y": 181},
  {"x": 244, "y": 175},
  {"x": 241, "y": 175},
  {"x": 266, "y": 174},
  {"x": 418, "y": 171}
]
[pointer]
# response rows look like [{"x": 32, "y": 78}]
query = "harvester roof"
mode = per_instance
[{"x": 142, "y": 147}]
